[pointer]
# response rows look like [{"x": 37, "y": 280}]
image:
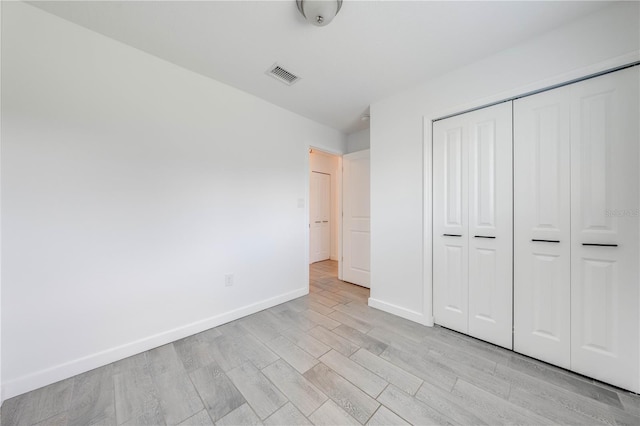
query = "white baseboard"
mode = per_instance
[
  {"x": 401, "y": 312},
  {"x": 63, "y": 371}
]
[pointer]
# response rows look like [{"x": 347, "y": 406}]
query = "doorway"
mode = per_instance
[
  {"x": 324, "y": 206},
  {"x": 339, "y": 214}
]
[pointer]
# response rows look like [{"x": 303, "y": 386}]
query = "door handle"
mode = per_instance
[
  {"x": 483, "y": 236},
  {"x": 317, "y": 221},
  {"x": 599, "y": 245},
  {"x": 451, "y": 235},
  {"x": 325, "y": 221},
  {"x": 545, "y": 241}
]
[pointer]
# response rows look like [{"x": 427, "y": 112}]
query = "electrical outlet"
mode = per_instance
[{"x": 228, "y": 280}]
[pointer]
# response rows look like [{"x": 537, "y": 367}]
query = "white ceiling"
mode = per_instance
[{"x": 371, "y": 50}]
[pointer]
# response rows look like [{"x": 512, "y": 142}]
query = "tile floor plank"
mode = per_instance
[
  {"x": 299, "y": 359},
  {"x": 386, "y": 417},
  {"x": 332, "y": 415},
  {"x": 164, "y": 359},
  {"x": 320, "y": 319},
  {"x": 304, "y": 395},
  {"x": 216, "y": 390},
  {"x": 351, "y": 399},
  {"x": 194, "y": 353},
  {"x": 361, "y": 326},
  {"x": 338, "y": 343},
  {"x": 263, "y": 397},
  {"x": 369, "y": 382},
  {"x": 241, "y": 416},
  {"x": 288, "y": 414},
  {"x": 178, "y": 398},
  {"x": 61, "y": 419},
  {"x": 18, "y": 410},
  {"x": 493, "y": 408},
  {"x": 360, "y": 339},
  {"x": 93, "y": 398},
  {"x": 560, "y": 377},
  {"x": 412, "y": 410},
  {"x": 448, "y": 404},
  {"x": 320, "y": 308},
  {"x": 420, "y": 367},
  {"x": 136, "y": 399},
  {"x": 201, "y": 418},
  {"x": 389, "y": 372},
  {"x": 308, "y": 343}
]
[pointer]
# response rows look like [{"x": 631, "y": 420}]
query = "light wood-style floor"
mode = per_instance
[{"x": 325, "y": 359}]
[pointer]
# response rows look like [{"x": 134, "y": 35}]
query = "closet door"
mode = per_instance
[
  {"x": 450, "y": 224},
  {"x": 472, "y": 223},
  {"x": 605, "y": 233},
  {"x": 490, "y": 224},
  {"x": 542, "y": 276}
]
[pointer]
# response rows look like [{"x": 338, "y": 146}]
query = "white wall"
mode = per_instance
[
  {"x": 330, "y": 164},
  {"x": 130, "y": 186},
  {"x": 400, "y": 164},
  {"x": 358, "y": 141}
]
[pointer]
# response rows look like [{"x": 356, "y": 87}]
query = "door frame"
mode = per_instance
[{"x": 338, "y": 199}]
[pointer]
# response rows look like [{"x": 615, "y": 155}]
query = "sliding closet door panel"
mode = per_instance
[
  {"x": 490, "y": 224},
  {"x": 450, "y": 224},
  {"x": 605, "y": 202},
  {"x": 542, "y": 276}
]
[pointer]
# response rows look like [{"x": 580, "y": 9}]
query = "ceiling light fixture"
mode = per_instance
[{"x": 319, "y": 12}]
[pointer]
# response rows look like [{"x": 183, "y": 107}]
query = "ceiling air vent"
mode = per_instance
[{"x": 280, "y": 74}]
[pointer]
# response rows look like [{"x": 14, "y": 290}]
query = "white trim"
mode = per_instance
[
  {"x": 401, "y": 312},
  {"x": 1, "y": 393},
  {"x": 340, "y": 215},
  {"x": 69, "y": 369},
  {"x": 427, "y": 223}
]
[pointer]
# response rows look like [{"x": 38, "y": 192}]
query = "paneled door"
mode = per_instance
[
  {"x": 542, "y": 238},
  {"x": 472, "y": 223},
  {"x": 451, "y": 224},
  {"x": 605, "y": 189},
  {"x": 319, "y": 217},
  {"x": 356, "y": 222},
  {"x": 490, "y": 224}
]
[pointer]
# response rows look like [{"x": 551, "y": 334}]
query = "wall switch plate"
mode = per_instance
[{"x": 228, "y": 280}]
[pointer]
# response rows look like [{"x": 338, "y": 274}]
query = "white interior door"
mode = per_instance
[
  {"x": 490, "y": 224},
  {"x": 319, "y": 217},
  {"x": 356, "y": 240},
  {"x": 605, "y": 190},
  {"x": 450, "y": 224},
  {"x": 472, "y": 223},
  {"x": 542, "y": 239}
]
